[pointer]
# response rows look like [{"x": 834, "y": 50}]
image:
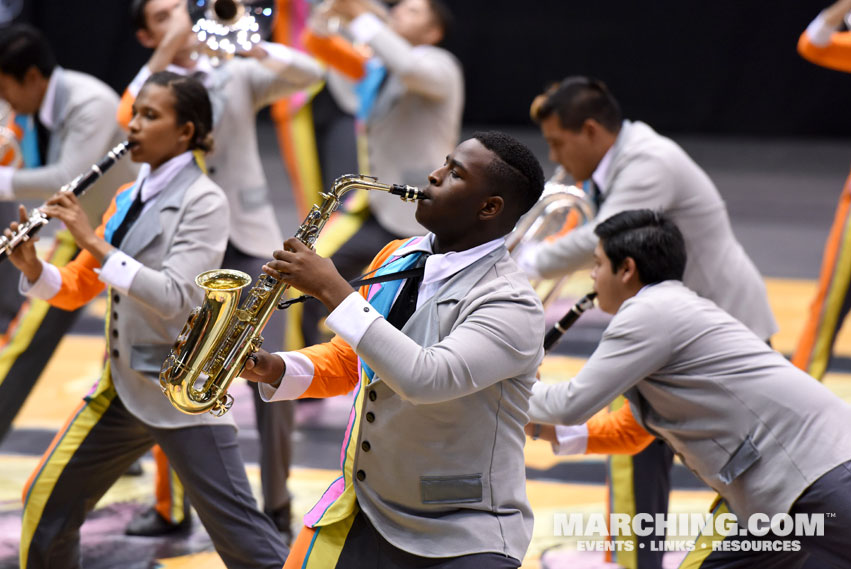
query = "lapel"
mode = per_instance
[
  {"x": 389, "y": 93},
  {"x": 620, "y": 142},
  {"x": 148, "y": 226},
  {"x": 424, "y": 326},
  {"x": 60, "y": 106}
]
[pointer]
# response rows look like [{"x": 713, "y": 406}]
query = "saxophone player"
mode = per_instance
[
  {"x": 442, "y": 365},
  {"x": 156, "y": 235}
]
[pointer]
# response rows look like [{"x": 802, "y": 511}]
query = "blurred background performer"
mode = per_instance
[
  {"x": 155, "y": 237},
  {"x": 69, "y": 125},
  {"x": 624, "y": 164},
  {"x": 408, "y": 110},
  {"x": 238, "y": 88},
  {"x": 822, "y": 44}
]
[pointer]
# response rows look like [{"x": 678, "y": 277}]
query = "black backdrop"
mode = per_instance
[{"x": 722, "y": 66}]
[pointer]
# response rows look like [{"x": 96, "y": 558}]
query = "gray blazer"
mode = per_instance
[
  {"x": 752, "y": 426},
  {"x": 445, "y": 473},
  {"x": 414, "y": 124},
  {"x": 84, "y": 130},
  {"x": 238, "y": 89},
  {"x": 651, "y": 171},
  {"x": 181, "y": 235}
]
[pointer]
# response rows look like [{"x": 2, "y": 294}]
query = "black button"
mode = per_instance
[
  {"x": 370, "y": 417},
  {"x": 211, "y": 170},
  {"x": 116, "y": 299},
  {"x": 365, "y": 446},
  {"x": 361, "y": 475},
  {"x": 373, "y": 395},
  {"x": 366, "y": 308},
  {"x": 115, "y": 316},
  {"x": 115, "y": 333},
  {"x": 115, "y": 354}
]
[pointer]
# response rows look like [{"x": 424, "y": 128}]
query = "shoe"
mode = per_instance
[
  {"x": 151, "y": 524},
  {"x": 135, "y": 469},
  {"x": 281, "y": 519}
]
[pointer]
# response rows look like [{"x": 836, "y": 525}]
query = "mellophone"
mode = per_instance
[{"x": 77, "y": 186}]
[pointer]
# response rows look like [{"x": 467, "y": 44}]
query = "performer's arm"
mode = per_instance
[{"x": 822, "y": 44}]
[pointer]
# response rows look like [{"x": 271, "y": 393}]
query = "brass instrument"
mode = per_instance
[
  {"x": 9, "y": 144},
  {"x": 561, "y": 207},
  {"x": 77, "y": 186},
  {"x": 227, "y": 27},
  {"x": 215, "y": 342}
]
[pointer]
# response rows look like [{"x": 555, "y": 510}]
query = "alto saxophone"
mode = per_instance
[{"x": 219, "y": 335}]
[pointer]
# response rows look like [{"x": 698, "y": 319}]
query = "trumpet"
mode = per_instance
[
  {"x": 77, "y": 186},
  {"x": 225, "y": 27},
  {"x": 219, "y": 335}
]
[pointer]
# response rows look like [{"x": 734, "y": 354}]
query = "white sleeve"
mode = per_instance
[
  {"x": 298, "y": 374},
  {"x": 571, "y": 439},
  {"x": 47, "y": 285},
  {"x": 819, "y": 32},
  {"x": 351, "y": 318}
]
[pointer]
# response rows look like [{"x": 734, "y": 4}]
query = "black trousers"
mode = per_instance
[{"x": 365, "y": 548}]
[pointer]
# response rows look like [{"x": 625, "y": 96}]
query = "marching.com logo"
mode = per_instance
[{"x": 759, "y": 531}]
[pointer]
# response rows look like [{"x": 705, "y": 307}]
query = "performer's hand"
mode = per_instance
[
  {"x": 65, "y": 207},
  {"x": 24, "y": 256},
  {"x": 835, "y": 13},
  {"x": 299, "y": 266},
  {"x": 263, "y": 367},
  {"x": 545, "y": 432}
]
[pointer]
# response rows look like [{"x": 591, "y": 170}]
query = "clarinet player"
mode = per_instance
[{"x": 156, "y": 235}]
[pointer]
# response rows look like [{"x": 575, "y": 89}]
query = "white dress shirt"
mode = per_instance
[
  {"x": 119, "y": 269},
  {"x": 352, "y": 317}
]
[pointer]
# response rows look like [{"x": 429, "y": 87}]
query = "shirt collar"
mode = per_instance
[
  {"x": 45, "y": 112},
  {"x": 441, "y": 266},
  {"x": 153, "y": 182}
]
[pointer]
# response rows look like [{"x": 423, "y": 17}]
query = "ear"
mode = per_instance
[
  {"x": 492, "y": 207},
  {"x": 591, "y": 128},
  {"x": 628, "y": 272},
  {"x": 186, "y": 133},
  {"x": 145, "y": 39}
]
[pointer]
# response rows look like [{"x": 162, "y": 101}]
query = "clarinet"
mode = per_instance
[
  {"x": 560, "y": 327},
  {"x": 78, "y": 186}
]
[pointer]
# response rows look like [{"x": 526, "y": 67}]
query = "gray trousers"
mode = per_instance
[
  {"x": 830, "y": 495},
  {"x": 100, "y": 443}
]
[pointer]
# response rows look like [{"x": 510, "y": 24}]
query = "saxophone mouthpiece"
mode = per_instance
[{"x": 407, "y": 193}]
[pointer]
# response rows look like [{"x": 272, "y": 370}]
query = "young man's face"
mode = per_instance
[
  {"x": 572, "y": 150},
  {"x": 158, "y": 20},
  {"x": 611, "y": 287},
  {"x": 414, "y": 21},
  {"x": 457, "y": 191},
  {"x": 23, "y": 96}
]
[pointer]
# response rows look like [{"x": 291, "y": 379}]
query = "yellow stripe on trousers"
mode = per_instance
[{"x": 56, "y": 458}]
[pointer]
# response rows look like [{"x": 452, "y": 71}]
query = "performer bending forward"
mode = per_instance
[
  {"x": 156, "y": 235},
  {"x": 433, "y": 467}
]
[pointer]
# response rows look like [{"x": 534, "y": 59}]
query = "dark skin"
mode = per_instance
[{"x": 460, "y": 209}]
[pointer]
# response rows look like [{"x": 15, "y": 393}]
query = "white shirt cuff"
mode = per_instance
[
  {"x": 572, "y": 439},
  {"x": 365, "y": 27},
  {"x": 297, "y": 378},
  {"x": 819, "y": 32},
  {"x": 351, "y": 319},
  {"x": 119, "y": 270},
  {"x": 278, "y": 52},
  {"x": 47, "y": 285},
  {"x": 6, "y": 192},
  {"x": 136, "y": 84}
]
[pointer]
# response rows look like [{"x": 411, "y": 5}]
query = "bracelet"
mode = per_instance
[{"x": 536, "y": 431}]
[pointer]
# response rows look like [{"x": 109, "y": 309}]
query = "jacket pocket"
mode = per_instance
[
  {"x": 148, "y": 358},
  {"x": 743, "y": 458},
  {"x": 464, "y": 488}
]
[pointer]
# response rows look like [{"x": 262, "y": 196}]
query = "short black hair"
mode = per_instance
[
  {"x": 577, "y": 99},
  {"x": 443, "y": 17},
  {"x": 653, "y": 241},
  {"x": 192, "y": 104},
  {"x": 137, "y": 14},
  {"x": 515, "y": 171},
  {"x": 22, "y": 47}
]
